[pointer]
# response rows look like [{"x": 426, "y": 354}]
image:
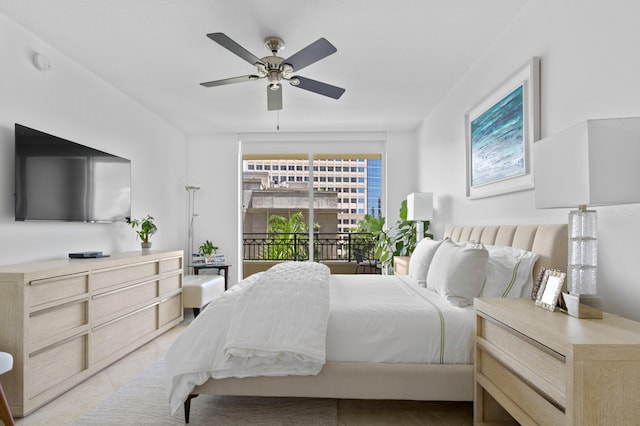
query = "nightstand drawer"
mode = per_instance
[
  {"x": 537, "y": 364},
  {"x": 509, "y": 389}
]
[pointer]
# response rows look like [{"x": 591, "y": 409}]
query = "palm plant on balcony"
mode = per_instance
[{"x": 288, "y": 237}]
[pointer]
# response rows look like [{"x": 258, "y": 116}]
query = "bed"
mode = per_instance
[{"x": 447, "y": 378}]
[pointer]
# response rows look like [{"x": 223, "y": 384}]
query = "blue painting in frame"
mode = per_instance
[
  {"x": 500, "y": 131},
  {"x": 497, "y": 141}
]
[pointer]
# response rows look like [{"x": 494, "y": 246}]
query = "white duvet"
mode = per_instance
[
  {"x": 371, "y": 318},
  {"x": 272, "y": 324}
]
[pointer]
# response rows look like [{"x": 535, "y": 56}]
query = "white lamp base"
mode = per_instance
[
  {"x": 419, "y": 231},
  {"x": 582, "y": 306}
]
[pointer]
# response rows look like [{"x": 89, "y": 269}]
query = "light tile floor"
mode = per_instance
[{"x": 68, "y": 407}]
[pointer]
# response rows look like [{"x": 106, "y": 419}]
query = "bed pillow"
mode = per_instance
[
  {"x": 509, "y": 272},
  {"x": 421, "y": 260},
  {"x": 458, "y": 272}
]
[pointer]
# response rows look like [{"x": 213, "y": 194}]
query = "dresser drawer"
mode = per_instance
[
  {"x": 52, "y": 365},
  {"x": 113, "y": 276},
  {"x": 170, "y": 309},
  {"x": 536, "y": 363},
  {"x": 57, "y": 288},
  {"x": 509, "y": 385},
  {"x": 167, "y": 284},
  {"x": 111, "y": 337},
  {"x": 57, "y": 320},
  {"x": 170, "y": 264},
  {"x": 114, "y": 303}
]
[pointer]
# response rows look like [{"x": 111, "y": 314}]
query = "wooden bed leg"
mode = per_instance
[{"x": 187, "y": 407}]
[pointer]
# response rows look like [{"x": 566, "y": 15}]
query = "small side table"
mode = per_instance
[
  {"x": 218, "y": 266},
  {"x": 401, "y": 265}
]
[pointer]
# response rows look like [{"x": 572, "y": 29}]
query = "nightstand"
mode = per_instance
[
  {"x": 401, "y": 265},
  {"x": 543, "y": 367}
]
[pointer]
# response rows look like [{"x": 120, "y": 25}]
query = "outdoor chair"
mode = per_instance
[{"x": 366, "y": 264}]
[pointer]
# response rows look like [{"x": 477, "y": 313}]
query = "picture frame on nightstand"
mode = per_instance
[{"x": 550, "y": 289}]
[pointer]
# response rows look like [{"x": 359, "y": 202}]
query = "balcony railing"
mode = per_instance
[{"x": 295, "y": 246}]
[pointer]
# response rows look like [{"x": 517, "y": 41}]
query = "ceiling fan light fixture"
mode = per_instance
[
  {"x": 274, "y": 86},
  {"x": 294, "y": 81},
  {"x": 274, "y": 44}
]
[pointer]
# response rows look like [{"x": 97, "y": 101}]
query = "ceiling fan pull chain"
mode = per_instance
[{"x": 278, "y": 120}]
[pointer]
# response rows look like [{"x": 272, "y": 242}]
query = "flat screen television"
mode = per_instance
[{"x": 56, "y": 179}]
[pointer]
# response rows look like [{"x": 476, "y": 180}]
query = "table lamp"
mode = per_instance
[
  {"x": 591, "y": 164},
  {"x": 419, "y": 209}
]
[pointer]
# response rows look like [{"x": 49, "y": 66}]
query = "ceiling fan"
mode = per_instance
[{"x": 277, "y": 70}]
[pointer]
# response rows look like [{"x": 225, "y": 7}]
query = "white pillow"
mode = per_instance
[
  {"x": 458, "y": 272},
  {"x": 509, "y": 272},
  {"x": 421, "y": 259}
]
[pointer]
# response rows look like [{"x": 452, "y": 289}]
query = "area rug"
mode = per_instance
[{"x": 144, "y": 401}]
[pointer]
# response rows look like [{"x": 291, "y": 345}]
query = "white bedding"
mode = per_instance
[
  {"x": 372, "y": 318},
  {"x": 390, "y": 318},
  {"x": 272, "y": 324}
]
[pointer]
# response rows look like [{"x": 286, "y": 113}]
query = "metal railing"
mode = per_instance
[{"x": 295, "y": 246}]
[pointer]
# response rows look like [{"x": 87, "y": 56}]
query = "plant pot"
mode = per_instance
[{"x": 146, "y": 246}]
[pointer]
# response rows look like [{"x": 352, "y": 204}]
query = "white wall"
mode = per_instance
[
  {"x": 214, "y": 163},
  {"x": 589, "y": 69},
  {"x": 72, "y": 103}
]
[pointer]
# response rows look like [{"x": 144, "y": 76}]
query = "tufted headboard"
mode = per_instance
[{"x": 548, "y": 241}]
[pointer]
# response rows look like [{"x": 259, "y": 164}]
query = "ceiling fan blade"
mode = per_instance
[
  {"x": 274, "y": 98},
  {"x": 224, "y": 41},
  {"x": 317, "y": 50},
  {"x": 231, "y": 80},
  {"x": 319, "y": 87}
]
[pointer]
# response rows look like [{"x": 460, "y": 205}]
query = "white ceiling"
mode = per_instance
[{"x": 396, "y": 58}]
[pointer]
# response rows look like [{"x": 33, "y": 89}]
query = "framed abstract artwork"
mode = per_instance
[{"x": 500, "y": 131}]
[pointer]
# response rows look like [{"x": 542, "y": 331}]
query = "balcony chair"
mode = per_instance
[
  {"x": 366, "y": 263},
  {"x": 6, "y": 364}
]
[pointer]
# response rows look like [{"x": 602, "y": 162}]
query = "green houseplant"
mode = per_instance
[
  {"x": 207, "y": 248},
  {"x": 399, "y": 240},
  {"x": 147, "y": 229}
]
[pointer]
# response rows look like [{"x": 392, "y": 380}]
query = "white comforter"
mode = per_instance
[{"x": 272, "y": 324}]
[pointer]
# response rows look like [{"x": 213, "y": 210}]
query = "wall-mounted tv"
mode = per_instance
[{"x": 56, "y": 179}]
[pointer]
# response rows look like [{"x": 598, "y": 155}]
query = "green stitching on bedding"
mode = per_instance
[
  {"x": 513, "y": 279},
  {"x": 441, "y": 329}
]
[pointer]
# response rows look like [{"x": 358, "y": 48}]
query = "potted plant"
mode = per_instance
[
  {"x": 147, "y": 229},
  {"x": 207, "y": 249},
  {"x": 399, "y": 240}
]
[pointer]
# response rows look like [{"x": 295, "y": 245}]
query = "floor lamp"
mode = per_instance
[
  {"x": 419, "y": 209},
  {"x": 191, "y": 190},
  {"x": 591, "y": 164}
]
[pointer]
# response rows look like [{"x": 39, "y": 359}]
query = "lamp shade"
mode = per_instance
[
  {"x": 592, "y": 163},
  {"x": 420, "y": 206}
]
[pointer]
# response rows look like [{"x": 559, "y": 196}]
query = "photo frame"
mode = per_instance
[
  {"x": 550, "y": 289},
  {"x": 500, "y": 132},
  {"x": 537, "y": 283}
]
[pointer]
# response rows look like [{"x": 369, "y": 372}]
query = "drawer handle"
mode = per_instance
[
  {"x": 118, "y": 290},
  {"x": 59, "y": 278},
  {"x": 524, "y": 337},
  {"x": 116, "y": 268},
  {"x": 53, "y": 308},
  {"x": 59, "y": 343},
  {"x": 137, "y": 311}
]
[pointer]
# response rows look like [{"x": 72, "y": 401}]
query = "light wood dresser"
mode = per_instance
[
  {"x": 546, "y": 367},
  {"x": 64, "y": 320}
]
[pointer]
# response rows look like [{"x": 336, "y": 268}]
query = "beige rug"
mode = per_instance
[{"x": 144, "y": 401}]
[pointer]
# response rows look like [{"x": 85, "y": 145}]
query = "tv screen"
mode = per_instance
[{"x": 56, "y": 179}]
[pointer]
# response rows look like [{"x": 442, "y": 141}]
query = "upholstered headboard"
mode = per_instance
[{"x": 548, "y": 241}]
